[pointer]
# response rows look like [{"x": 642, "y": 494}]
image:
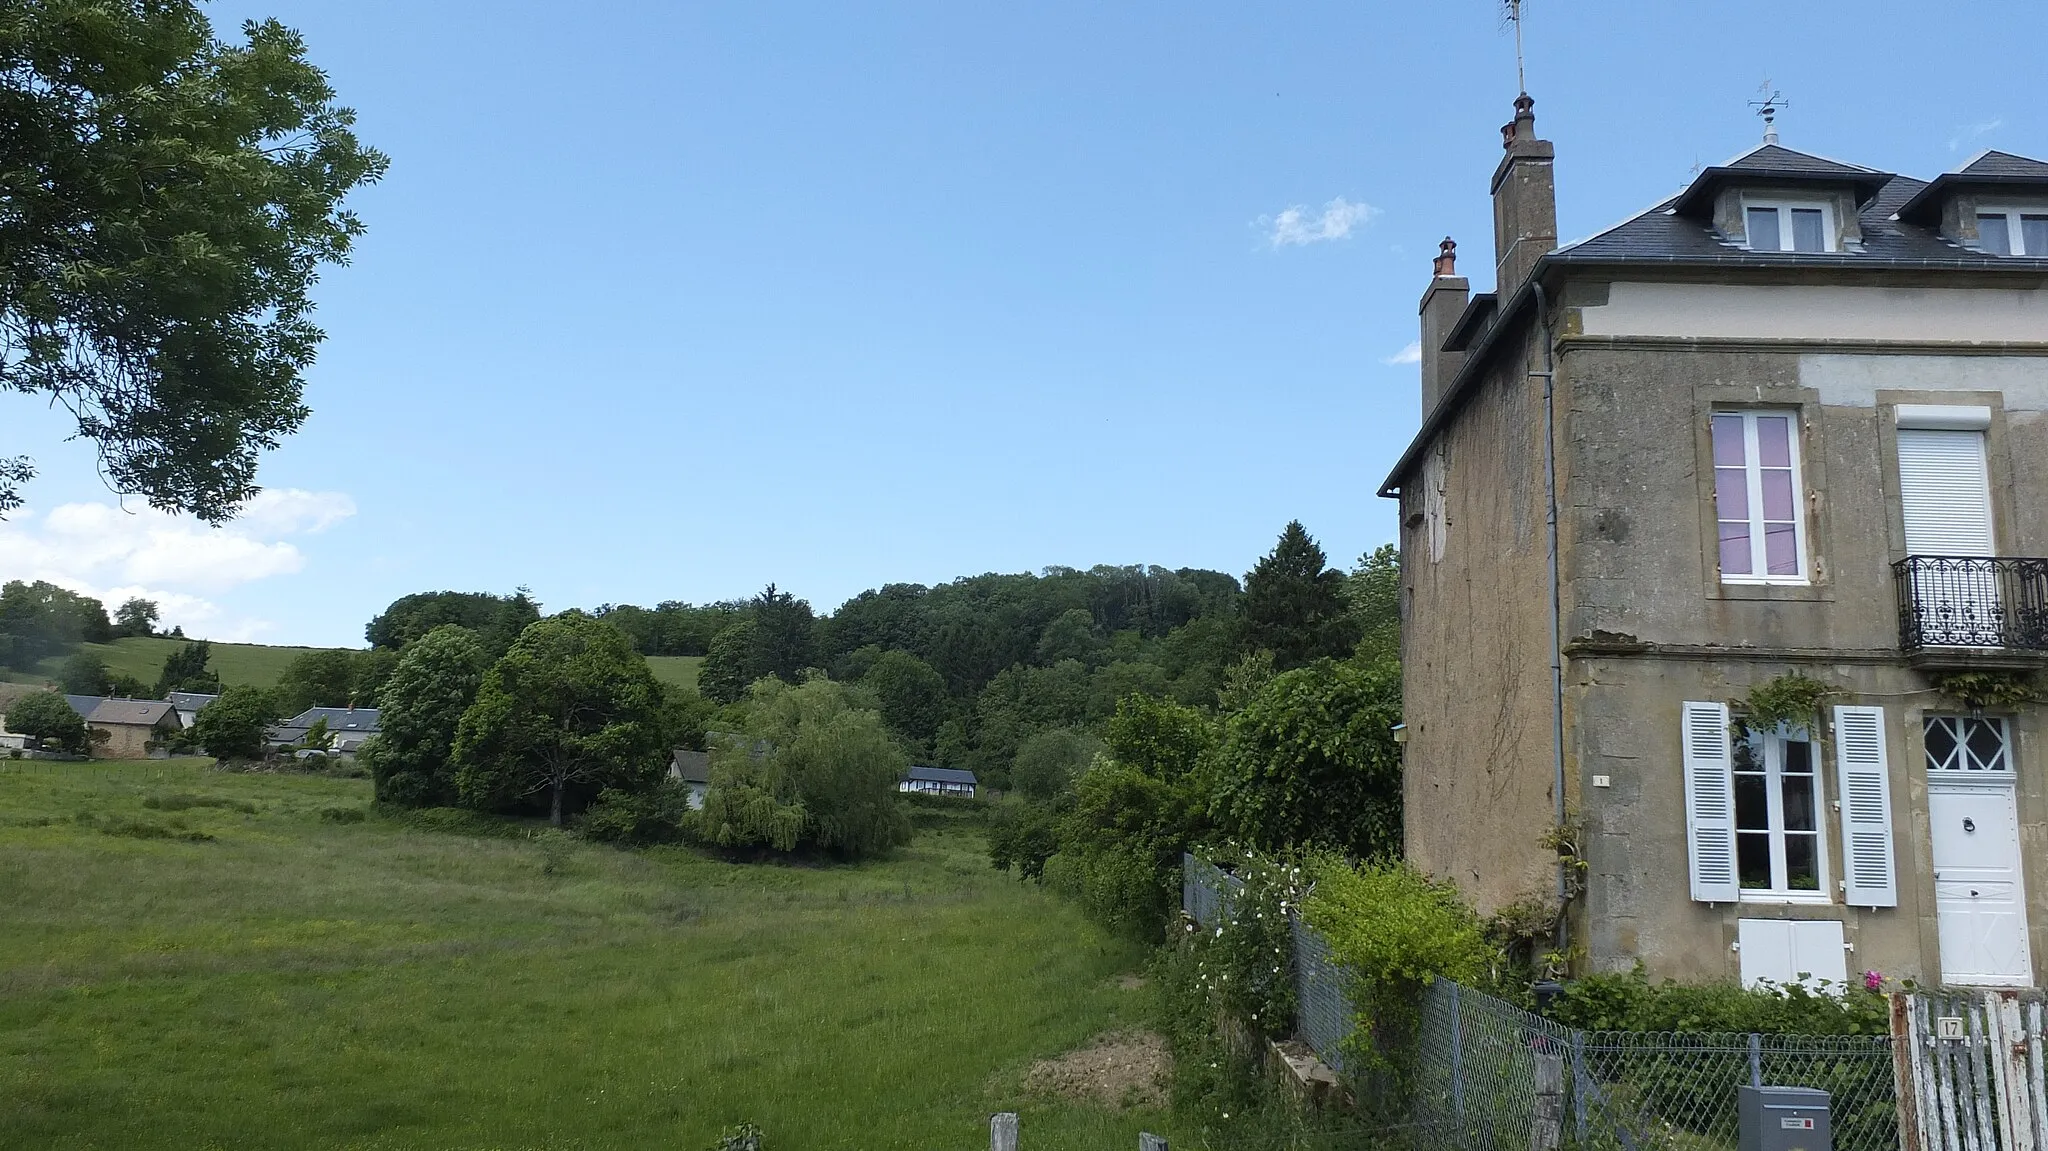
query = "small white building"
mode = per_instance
[{"x": 939, "y": 781}]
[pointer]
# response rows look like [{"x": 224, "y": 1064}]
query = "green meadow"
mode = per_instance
[
  {"x": 197, "y": 959},
  {"x": 680, "y": 670},
  {"x": 255, "y": 664}
]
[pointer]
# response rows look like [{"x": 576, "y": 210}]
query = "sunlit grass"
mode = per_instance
[{"x": 301, "y": 982}]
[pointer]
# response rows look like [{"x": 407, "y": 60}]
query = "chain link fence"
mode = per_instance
[{"x": 1491, "y": 1076}]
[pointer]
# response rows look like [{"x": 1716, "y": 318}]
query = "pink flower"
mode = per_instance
[{"x": 1872, "y": 981}]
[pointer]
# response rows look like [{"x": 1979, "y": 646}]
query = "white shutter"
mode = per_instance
[
  {"x": 1945, "y": 493},
  {"x": 1710, "y": 802},
  {"x": 1868, "y": 878}
]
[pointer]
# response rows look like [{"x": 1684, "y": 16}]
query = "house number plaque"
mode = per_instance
[{"x": 1950, "y": 1027}]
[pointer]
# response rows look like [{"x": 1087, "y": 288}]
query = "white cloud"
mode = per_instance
[
  {"x": 113, "y": 553},
  {"x": 1297, "y": 225},
  {"x": 1412, "y": 354},
  {"x": 1969, "y": 132}
]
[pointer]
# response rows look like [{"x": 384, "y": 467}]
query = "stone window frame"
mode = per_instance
[
  {"x": 1806, "y": 402},
  {"x": 1997, "y": 460},
  {"x": 1824, "y": 894},
  {"x": 2012, "y": 211},
  {"x": 1830, "y": 236}
]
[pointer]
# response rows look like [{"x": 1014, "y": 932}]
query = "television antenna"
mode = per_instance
[
  {"x": 1511, "y": 13},
  {"x": 1772, "y": 103}
]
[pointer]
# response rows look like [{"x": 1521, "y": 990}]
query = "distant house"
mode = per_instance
[
  {"x": 939, "y": 781},
  {"x": 84, "y": 704},
  {"x": 132, "y": 726},
  {"x": 692, "y": 769},
  {"x": 350, "y": 727},
  {"x": 188, "y": 705}
]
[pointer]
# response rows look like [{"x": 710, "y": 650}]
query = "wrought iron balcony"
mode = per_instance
[{"x": 1973, "y": 609}]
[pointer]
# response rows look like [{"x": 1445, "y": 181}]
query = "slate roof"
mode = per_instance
[
  {"x": 940, "y": 775},
  {"x": 1997, "y": 163},
  {"x": 139, "y": 712},
  {"x": 84, "y": 704},
  {"x": 1991, "y": 172},
  {"x": 191, "y": 700},
  {"x": 1666, "y": 234},
  {"x": 690, "y": 766},
  {"x": 339, "y": 719}
]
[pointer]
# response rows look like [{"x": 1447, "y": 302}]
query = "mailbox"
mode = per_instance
[{"x": 1784, "y": 1119}]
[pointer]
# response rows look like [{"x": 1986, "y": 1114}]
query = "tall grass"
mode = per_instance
[{"x": 297, "y": 981}]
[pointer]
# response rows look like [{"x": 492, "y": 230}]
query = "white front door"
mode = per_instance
[{"x": 1979, "y": 901}]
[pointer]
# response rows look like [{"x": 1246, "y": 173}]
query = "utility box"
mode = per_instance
[{"x": 1784, "y": 1119}]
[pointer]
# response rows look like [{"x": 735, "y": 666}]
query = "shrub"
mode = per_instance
[
  {"x": 1630, "y": 1002},
  {"x": 233, "y": 726},
  {"x": 1395, "y": 930},
  {"x": 45, "y": 717},
  {"x": 636, "y": 818},
  {"x": 1247, "y": 964}
]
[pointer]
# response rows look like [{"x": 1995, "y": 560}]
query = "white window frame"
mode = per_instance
[
  {"x": 1962, "y": 724},
  {"x": 1753, "y": 476},
  {"x": 2014, "y": 234},
  {"x": 1829, "y": 240},
  {"x": 1774, "y": 797}
]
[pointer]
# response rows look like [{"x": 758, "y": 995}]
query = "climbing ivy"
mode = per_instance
[
  {"x": 1981, "y": 689},
  {"x": 1793, "y": 698}
]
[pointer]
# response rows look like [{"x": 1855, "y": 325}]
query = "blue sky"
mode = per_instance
[{"x": 672, "y": 300}]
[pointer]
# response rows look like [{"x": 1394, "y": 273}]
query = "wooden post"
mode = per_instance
[
  {"x": 1150, "y": 1142},
  {"x": 1904, "y": 1088},
  {"x": 1002, "y": 1131},
  {"x": 1546, "y": 1131}
]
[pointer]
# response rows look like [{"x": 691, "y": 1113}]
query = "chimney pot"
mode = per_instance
[{"x": 1447, "y": 258}]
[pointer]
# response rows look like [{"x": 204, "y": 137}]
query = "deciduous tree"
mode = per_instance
[
  {"x": 45, "y": 717},
  {"x": 136, "y": 617},
  {"x": 233, "y": 726},
  {"x": 169, "y": 200},
  {"x": 570, "y": 710},
  {"x": 1311, "y": 762},
  {"x": 419, "y": 710}
]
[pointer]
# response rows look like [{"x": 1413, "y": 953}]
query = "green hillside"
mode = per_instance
[
  {"x": 195, "y": 958},
  {"x": 680, "y": 670},
  {"x": 255, "y": 664}
]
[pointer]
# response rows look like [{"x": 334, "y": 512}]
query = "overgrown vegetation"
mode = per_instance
[
  {"x": 1792, "y": 699},
  {"x": 1977, "y": 690}
]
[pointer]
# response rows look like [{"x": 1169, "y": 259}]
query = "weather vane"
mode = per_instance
[{"x": 1772, "y": 103}]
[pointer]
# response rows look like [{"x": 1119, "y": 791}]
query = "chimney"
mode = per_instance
[
  {"x": 1442, "y": 303},
  {"x": 1524, "y": 200}
]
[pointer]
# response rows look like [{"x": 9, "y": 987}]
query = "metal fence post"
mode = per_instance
[
  {"x": 1756, "y": 1060},
  {"x": 1457, "y": 1058},
  {"x": 1582, "y": 1089}
]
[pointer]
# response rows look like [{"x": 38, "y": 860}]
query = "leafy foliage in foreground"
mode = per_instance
[
  {"x": 170, "y": 198},
  {"x": 44, "y": 716},
  {"x": 435, "y": 681},
  {"x": 1630, "y": 1002}
]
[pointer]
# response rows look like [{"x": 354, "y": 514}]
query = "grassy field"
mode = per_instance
[
  {"x": 255, "y": 664},
  {"x": 199, "y": 959},
  {"x": 680, "y": 670}
]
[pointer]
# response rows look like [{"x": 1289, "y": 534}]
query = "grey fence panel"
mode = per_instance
[
  {"x": 1324, "y": 1015},
  {"x": 1482, "y": 1070},
  {"x": 1206, "y": 891}
]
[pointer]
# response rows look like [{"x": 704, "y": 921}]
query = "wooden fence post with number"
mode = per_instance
[{"x": 1002, "y": 1131}]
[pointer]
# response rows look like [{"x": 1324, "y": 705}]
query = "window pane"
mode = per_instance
[
  {"x": 1753, "y": 859},
  {"x": 1798, "y": 757},
  {"x": 1796, "y": 792},
  {"x": 1731, "y": 493},
  {"x": 1735, "y": 557},
  {"x": 2034, "y": 234},
  {"x": 1806, "y": 230},
  {"x": 1991, "y": 234},
  {"x": 1986, "y": 741},
  {"x": 1802, "y": 862},
  {"x": 1727, "y": 441},
  {"x": 1763, "y": 229},
  {"x": 1778, "y": 495},
  {"x": 1752, "y": 805},
  {"x": 1749, "y": 751},
  {"x": 1941, "y": 745},
  {"x": 1774, "y": 441},
  {"x": 1781, "y": 550}
]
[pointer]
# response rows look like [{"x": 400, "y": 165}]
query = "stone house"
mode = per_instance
[
  {"x": 1793, "y": 419},
  {"x": 134, "y": 727}
]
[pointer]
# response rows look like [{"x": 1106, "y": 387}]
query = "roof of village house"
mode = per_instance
[
  {"x": 84, "y": 704},
  {"x": 1681, "y": 229},
  {"x": 691, "y": 766},
  {"x": 191, "y": 700},
  {"x": 339, "y": 719},
  {"x": 922, "y": 774},
  {"x": 140, "y": 712}
]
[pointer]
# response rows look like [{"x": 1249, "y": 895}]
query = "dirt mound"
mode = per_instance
[{"x": 1120, "y": 1069}]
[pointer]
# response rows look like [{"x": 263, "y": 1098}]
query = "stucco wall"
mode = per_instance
[{"x": 1475, "y": 646}]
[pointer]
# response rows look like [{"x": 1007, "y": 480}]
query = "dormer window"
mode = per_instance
[
  {"x": 1789, "y": 226},
  {"x": 2013, "y": 231}
]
